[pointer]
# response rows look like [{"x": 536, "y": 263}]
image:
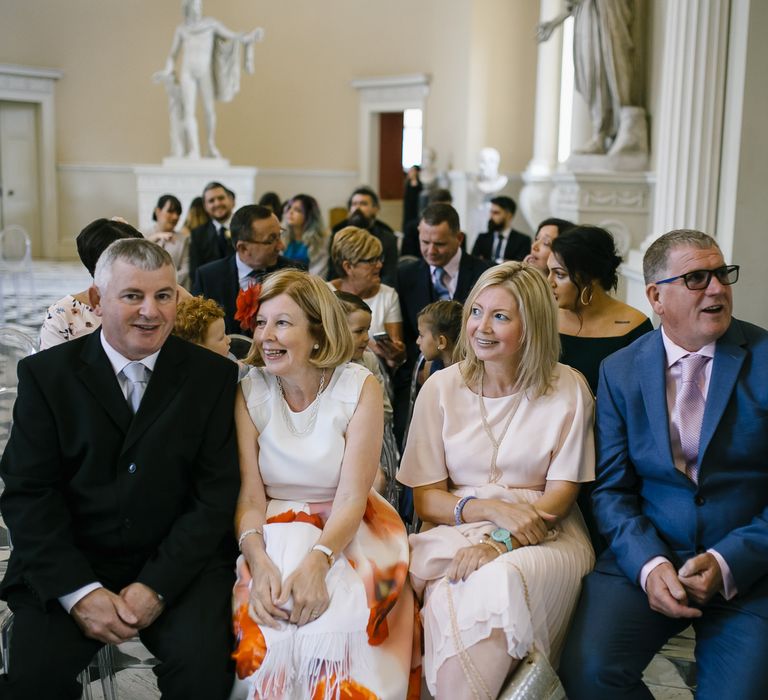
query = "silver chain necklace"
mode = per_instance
[
  {"x": 495, "y": 473},
  {"x": 313, "y": 413}
]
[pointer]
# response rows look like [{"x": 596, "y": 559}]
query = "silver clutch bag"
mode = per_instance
[{"x": 534, "y": 679}]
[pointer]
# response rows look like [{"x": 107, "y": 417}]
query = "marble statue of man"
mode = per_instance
[
  {"x": 603, "y": 53},
  {"x": 489, "y": 181},
  {"x": 210, "y": 65}
]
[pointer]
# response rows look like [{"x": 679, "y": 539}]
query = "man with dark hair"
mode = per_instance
[
  {"x": 501, "y": 242},
  {"x": 444, "y": 271},
  {"x": 212, "y": 241},
  {"x": 258, "y": 242},
  {"x": 363, "y": 207},
  {"x": 682, "y": 490},
  {"x": 411, "y": 231},
  {"x": 121, "y": 478}
]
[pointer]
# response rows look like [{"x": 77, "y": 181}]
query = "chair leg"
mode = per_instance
[{"x": 106, "y": 662}]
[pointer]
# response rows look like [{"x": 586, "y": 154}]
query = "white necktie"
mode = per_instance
[{"x": 137, "y": 375}]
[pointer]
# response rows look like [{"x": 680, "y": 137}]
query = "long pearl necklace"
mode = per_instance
[
  {"x": 312, "y": 415},
  {"x": 495, "y": 473}
]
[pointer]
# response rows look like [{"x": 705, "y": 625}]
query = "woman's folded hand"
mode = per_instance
[
  {"x": 469, "y": 559},
  {"x": 523, "y": 520},
  {"x": 265, "y": 591},
  {"x": 307, "y": 586}
]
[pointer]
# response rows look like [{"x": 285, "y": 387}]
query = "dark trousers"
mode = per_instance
[
  {"x": 192, "y": 639},
  {"x": 615, "y": 634}
]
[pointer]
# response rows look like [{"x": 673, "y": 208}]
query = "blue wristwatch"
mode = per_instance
[{"x": 503, "y": 536}]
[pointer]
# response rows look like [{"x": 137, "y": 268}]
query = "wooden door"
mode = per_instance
[{"x": 391, "y": 155}]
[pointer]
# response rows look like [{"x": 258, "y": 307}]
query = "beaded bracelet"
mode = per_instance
[
  {"x": 248, "y": 533},
  {"x": 495, "y": 545},
  {"x": 458, "y": 510}
]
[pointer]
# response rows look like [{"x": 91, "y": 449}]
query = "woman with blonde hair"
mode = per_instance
[
  {"x": 322, "y": 605},
  {"x": 358, "y": 255},
  {"x": 498, "y": 446}
]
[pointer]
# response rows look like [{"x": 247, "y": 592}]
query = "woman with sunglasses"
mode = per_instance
[{"x": 357, "y": 254}]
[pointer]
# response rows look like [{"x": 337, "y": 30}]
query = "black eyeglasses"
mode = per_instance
[
  {"x": 372, "y": 261},
  {"x": 700, "y": 279},
  {"x": 274, "y": 238}
]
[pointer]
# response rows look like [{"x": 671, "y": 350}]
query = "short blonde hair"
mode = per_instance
[
  {"x": 194, "y": 317},
  {"x": 540, "y": 345},
  {"x": 353, "y": 245},
  {"x": 327, "y": 320}
]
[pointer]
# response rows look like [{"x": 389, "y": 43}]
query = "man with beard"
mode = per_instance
[
  {"x": 501, "y": 242},
  {"x": 363, "y": 207},
  {"x": 213, "y": 240}
]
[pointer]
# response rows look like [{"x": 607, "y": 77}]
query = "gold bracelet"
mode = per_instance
[{"x": 499, "y": 550}]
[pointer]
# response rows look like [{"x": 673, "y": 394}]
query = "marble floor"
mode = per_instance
[{"x": 49, "y": 281}]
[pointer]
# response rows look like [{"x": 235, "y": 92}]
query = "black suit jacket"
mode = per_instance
[
  {"x": 204, "y": 247},
  {"x": 219, "y": 281},
  {"x": 388, "y": 240},
  {"x": 414, "y": 286},
  {"x": 518, "y": 246},
  {"x": 94, "y": 493}
]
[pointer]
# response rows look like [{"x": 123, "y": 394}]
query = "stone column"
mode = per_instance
[
  {"x": 689, "y": 125},
  {"x": 534, "y": 197}
]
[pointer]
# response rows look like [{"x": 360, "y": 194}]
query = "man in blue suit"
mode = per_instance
[{"x": 682, "y": 490}]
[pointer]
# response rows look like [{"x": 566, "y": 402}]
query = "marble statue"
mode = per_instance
[
  {"x": 604, "y": 72},
  {"x": 210, "y": 65},
  {"x": 488, "y": 181}
]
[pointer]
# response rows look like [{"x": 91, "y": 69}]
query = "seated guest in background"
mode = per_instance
[
  {"x": 411, "y": 191},
  {"x": 359, "y": 317},
  {"x": 548, "y": 230},
  {"x": 322, "y": 604},
  {"x": 497, "y": 449},
  {"x": 410, "y": 244},
  {"x": 439, "y": 329},
  {"x": 501, "y": 242},
  {"x": 582, "y": 272},
  {"x": 357, "y": 255},
  {"x": 271, "y": 200},
  {"x": 196, "y": 216},
  {"x": 201, "y": 321},
  {"x": 166, "y": 216},
  {"x": 212, "y": 240},
  {"x": 120, "y": 487},
  {"x": 363, "y": 208},
  {"x": 306, "y": 236},
  {"x": 682, "y": 490},
  {"x": 256, "y": 235},
  {"x": 444, "y": 272},
  {"x": 72, "y": 316}
]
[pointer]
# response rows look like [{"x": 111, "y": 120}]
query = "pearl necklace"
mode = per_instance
[{"x": 313, "y": 413}]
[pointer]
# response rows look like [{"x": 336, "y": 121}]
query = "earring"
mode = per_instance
[
  {"x": 586, "y": 302},
  {"x": 316, "y": 346},
  {"x": 441, "y": 347}
]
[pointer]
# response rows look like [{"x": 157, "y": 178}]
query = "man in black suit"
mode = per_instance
[
  {"x": 363, "y": 208},
  {"x": 212, "y": 241},
  {"x": 501, "y": 242},
  {"x": 121, "y": 478},
  {"x": 444, "y": 272},
  {"x": 257, "y": 238}
]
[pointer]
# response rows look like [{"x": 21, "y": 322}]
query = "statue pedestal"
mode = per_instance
[
  {"x": 185, "y": 178},
  {"x": 617, "y": 201}
]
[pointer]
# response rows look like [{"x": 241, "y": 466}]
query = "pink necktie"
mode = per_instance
[{"x": 690, "y": 411}]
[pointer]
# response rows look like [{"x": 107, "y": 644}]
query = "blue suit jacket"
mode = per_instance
[{"x": 644, "y": 506}]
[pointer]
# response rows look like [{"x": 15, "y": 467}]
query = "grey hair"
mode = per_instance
[
  {"x": 138, "y": 252},
  {"x": 656, "y": 257}
]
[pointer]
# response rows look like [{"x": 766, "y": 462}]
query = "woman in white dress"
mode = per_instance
[
  {"x": 322, "y": 607},
  {"x": 498, "y": 446},
  {"x": 357, "y": 254}
]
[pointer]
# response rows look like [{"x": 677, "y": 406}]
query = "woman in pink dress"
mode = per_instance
[{"x": 498, "y": 446}]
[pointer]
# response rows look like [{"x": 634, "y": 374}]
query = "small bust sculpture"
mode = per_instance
[{"x": 488, "y": 179}]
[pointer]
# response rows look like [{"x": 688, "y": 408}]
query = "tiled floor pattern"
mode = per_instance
[{"x": 52, "y": 280}]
